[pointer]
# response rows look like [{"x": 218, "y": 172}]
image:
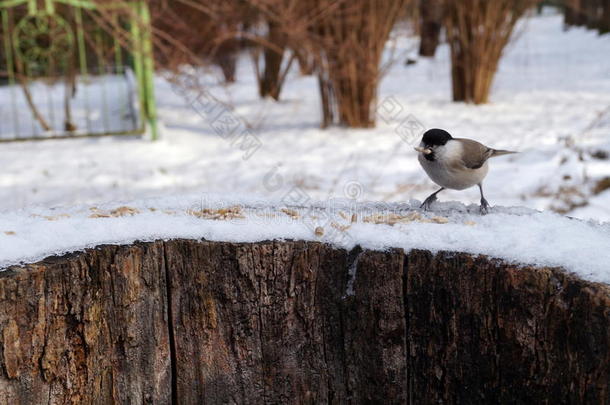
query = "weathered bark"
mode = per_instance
[
  {"x": 86, "y": 328},
  {"x": 505, "y": 334},
  {"x": 193, "y": 322}
]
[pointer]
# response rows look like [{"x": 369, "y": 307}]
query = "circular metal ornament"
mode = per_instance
[{"x": 43, "y": 38}]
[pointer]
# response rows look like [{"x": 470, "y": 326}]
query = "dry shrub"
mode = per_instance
[
  {"x": 348, "y": 39},
  {"x": 478, "y": 31},
  {"x": 196, "y": 32},
  {"x": 341, "y": 40},
  {"x": 601, "y": 185},
  {"x": 594, "y": 14},
  {"x": 431, "y": 22},
  {"x": 271, "y": 78},
  {"x": 283, "y": 23}
]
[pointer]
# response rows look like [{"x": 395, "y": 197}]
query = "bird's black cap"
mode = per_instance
[{"x": 435, "y": 136}]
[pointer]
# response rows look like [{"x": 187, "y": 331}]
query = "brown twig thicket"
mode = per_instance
[
  {"x": 193, "y": 32},
  {"x": 348, "y": 39},
  {"x": 216, "y": 30},
  {"x": 282, "y": 22},
  {"x": 477, "y": 32},
  {"x": 594, "y": 14},
  {"x": 431, "y": 22},
  {"x": 341, "y": 40}
]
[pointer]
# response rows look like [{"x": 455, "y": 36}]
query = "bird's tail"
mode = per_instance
[{"x": 498, "y": 152}]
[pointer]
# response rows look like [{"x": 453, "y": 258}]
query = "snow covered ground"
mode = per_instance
[{"x": 551, "y": 101}]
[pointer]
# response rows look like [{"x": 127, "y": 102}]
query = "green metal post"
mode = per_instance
[
  {"x": 80, "y": 38},
  {"x": 137, "y": 61},
  {"x": 148, "y": 69},
  {"x": 118, "y": 53},
  {"x": 50, "y": 7},
  {"x": 10, "y": 66},
  {"x": 102, "y": 76},
  {"x": 8, "y": 49},
  {"x": 82, "y": 57}
]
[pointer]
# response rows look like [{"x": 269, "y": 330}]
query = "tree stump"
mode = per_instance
[{"x": 197, "y": 322}]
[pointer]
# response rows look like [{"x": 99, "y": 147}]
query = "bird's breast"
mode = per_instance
[{"x": 453, "y": 174}]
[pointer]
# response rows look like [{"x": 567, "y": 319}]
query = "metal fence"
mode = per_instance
[{"x": 75, "y": 68}]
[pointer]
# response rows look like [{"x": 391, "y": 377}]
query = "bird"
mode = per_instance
[{"x": 455, "y": 163}]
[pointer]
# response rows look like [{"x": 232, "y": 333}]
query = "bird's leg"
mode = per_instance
[
  {"x": 428, "y": 201},
  {"x": 484, "y": 203}
]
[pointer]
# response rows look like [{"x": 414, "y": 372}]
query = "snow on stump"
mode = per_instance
[{"x": 200, "y": 322}]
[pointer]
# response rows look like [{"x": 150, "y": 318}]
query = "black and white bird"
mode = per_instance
[{"x": 455, "y": 163}]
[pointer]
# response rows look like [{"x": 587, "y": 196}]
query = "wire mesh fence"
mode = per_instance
[
  {"x": 73, "y": 68},
  {"x": 104, "y": 102}
]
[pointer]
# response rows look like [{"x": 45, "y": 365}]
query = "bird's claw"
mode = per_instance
[
  {"x": 484, "y": 206},
  {"x": 427, "y": 203}
]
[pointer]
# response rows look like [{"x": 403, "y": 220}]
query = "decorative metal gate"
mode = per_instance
[{"x": 75, "y": 68}]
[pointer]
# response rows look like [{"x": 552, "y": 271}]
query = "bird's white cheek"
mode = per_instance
[{"x": 449, "y": 152}]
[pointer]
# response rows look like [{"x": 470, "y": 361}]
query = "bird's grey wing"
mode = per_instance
[{"x": 474, "y": 154}]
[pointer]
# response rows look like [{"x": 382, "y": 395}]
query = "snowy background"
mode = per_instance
[{"x": 550, "y": 101}]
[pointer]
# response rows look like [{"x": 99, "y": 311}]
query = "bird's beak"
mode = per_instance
[{"x": 425, "y": 151}]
